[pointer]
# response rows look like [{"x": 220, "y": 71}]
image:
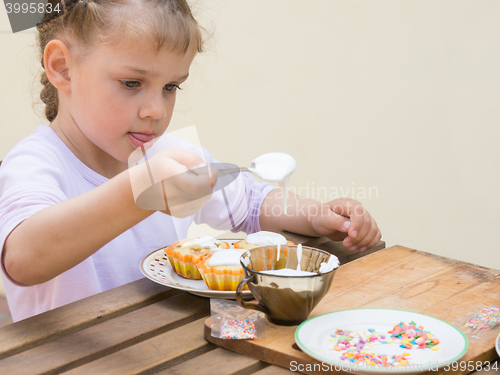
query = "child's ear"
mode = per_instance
[{"x": 57, "y": 61}]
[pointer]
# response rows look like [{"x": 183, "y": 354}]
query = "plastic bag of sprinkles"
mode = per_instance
[
  {"x": 483, "y": 323},
  {"x": 231, "y": 321}
]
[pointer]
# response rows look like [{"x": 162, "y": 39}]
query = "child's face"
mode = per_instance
[{"x": 123, "y": 96}]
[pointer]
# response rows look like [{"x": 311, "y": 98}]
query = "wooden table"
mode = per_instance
[{"x": 143, "y": 327}]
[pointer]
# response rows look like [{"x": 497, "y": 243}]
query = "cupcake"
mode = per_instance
[
  {"x": 183, "y": 255},
  {"x": 222, "y": 270}
]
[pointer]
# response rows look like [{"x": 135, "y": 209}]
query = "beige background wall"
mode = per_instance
[{"x": 398, "y": 96}]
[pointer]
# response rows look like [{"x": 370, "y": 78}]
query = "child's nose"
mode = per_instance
[{"x": 154, "y": 107}]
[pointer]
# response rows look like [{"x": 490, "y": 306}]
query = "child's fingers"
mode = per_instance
[
  {"x": 173, "y": 178},
  {"x": 358, "y": 233},
  {"x": 367, "y": 241},
  {"x": 194, "y": 163},
  {"x": 347, "y": 215},
  {"x": 186, "y": 193},
  {"x": 186, "y": 176},
  {"x": 371, "y": 240},
  {"x": 187, "y": 186},
  {"x": 375, "y": 241},
  {"x": 187, "y": 158},
  {"x": 330, "y": 222},
  {"x": 207, "y": 171},
  {"x": 359, "y": 220},
  {"x": 351, "y": 209},
  {"x": 363, "y": 232}
]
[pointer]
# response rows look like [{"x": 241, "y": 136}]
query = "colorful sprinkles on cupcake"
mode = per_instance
[
  {"x": 488, "y": 317},
  {"x": 355, "y": 346},
  {"x": 238, "y": 329}
]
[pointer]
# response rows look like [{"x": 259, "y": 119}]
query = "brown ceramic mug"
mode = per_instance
[{"x": 286, "y": 300}]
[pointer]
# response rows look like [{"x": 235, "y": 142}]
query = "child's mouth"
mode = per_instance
[{"x": 140, "y": 139}]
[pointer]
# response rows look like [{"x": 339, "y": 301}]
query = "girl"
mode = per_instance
[{"x": 69, "y": 224}]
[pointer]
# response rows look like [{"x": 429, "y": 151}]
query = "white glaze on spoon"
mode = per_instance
[{"x": 275, "y": 167}]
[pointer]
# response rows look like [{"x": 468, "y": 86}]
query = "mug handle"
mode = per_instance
[{"x": 239, "y": 297}]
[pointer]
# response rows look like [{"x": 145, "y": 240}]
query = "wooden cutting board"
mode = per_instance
[{"x": 399, "y": 278}]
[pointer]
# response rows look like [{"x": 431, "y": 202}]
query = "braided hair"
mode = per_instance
[{"x": 81, "y": 23}]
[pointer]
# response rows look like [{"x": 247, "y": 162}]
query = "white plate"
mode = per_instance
[
  {"x": 497, "y": 345},
  {"x": 312, "y": 337},
  {"x": 156, "y": 267}
]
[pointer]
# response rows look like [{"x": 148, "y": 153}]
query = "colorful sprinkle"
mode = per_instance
[
  {"x": 412, "y": 336},
  {"x": 486, "y": 318},
  {"x": 238, "y": 329},
  {"x": 354, "y": 344}
]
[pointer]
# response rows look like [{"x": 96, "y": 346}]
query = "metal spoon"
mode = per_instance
[
  {"x": 272, "y": 162},
  {"x": 224, "y": 172}
]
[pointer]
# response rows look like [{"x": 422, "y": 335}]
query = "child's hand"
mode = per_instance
[
  {"x": 176, "y": 182},
  {"x": 346, "y": 219}
]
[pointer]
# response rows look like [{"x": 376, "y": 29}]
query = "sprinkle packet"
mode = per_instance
[
  {"x": 483, "y": 323},
  {"x": 233, "y": 322}
]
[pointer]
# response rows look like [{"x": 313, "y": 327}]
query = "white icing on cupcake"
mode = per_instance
[
  {"x": 205, "y": 241},
  {"x": 264, "y": 238},
  {"x": 226, "y": 258}
]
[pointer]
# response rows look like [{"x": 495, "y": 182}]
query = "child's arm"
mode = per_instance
[
  {"x": 341, "y": 219},
  {"x": 63, "y": 235}
]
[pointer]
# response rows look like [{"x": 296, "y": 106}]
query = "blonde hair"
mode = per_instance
[{"x": 81, "y": 23}]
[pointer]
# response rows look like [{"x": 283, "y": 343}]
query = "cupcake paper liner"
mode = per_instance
[{"x": 219, "y": 279}]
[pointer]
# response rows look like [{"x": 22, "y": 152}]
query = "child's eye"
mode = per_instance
[
  {"x": 172, "y": 87},
  {"x": 130, "y": 84}
]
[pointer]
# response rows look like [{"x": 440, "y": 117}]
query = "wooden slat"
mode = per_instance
[
  {"x": 429, "y": 290},
  {"x": 343, "y": 253},
  {"x": 304, "y": 240},
  {"x": 452, "y": 309},
  {"x": 274, "y": 370},
  {"x": 471, "y": 301},
  {"x": 81, "y": 314},
  {"x": 395, "y": 277},
  {"x": 334, "y": 247},
  {"x": 216, "y": 362},
  {"x": 151, "y": 355},
  {"x": 101, "y": 340},
  {"x": 375, "y": 276}
]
